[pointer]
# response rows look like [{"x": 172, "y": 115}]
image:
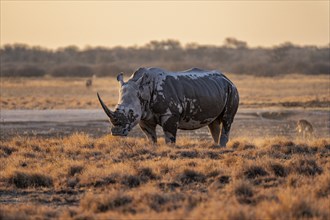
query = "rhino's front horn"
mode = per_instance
[{"x": 105, "y": 108}]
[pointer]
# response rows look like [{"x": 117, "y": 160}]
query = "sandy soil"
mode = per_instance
[{"x": 248, "y": 123}]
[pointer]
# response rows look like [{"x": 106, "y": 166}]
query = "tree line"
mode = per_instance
[{"x": 234, "y": 56}]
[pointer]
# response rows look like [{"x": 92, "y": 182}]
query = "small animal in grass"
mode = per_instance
[
  {"x": 305, "y": 129},
  {"x": 89, "y": 83}
]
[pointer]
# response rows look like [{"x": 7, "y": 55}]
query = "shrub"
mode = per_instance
[
  {"x": 110, "y": 70},
  {"x": 111, "y": 201},
  {"x": 165, "y": 201},
  {"x": 7, "y": 151},
  {"x": 72, "y": 71},
  {"x": 324, "y": 187},
  {"x": 30, "y": 71},
  {"x": 25, "y": 180},
  {"x": 75, "y": 169},
  {"x": 24, "y": 71},
  {"x": 190, "y": 176},
  {"x": 254, "y": 171},
  {"x": 188, "y": 154},
  {"x": 278, "y": 169},
  {"x": 307, "y": 167},
  {"x": 244, "y": 193},
  {"x": 131, "y": 181},
  {"x": 302, "y": 209},
  {"x": 146, "y": 174}
]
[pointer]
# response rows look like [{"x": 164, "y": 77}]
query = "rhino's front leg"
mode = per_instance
[
  {"x": 149, "y": 128},
  {"x": 170, "y": 127}
]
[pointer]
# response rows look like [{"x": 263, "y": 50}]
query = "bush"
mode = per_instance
[
  {"x": 244, "y": 193},
  {"x": 103, "y": 203},
  {"x": 191, "y": 176},
  {"x": 72, "y": 71},
  {"x": 254, "y": 171},
  {"x": 110, "y": 70},
  {"x": 25, "y": 71},
  {"x": 307, "y": 167},
  {"x": 25, "y": 180}
]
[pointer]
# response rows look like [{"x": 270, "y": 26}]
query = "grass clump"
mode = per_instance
[
  {"x": 254, "y": 171},
  {"x": 244, "y": 192},
  {"x": 75, "y": 169},
  {"x": 103, "y": 203},
  {"x": 6, "y": 151},
  {"x": 302, "y": 209},
  {"x": 145, "y": 174},
  {"x": 191, "y": 176},
  {"x": 323, "y": 189},
  {"x": 165, "y": 202},
  {"x": 278, "y": 169},
  {"x": 140, "y": 181},
  {"x": 307, "y": 167},
  {"x": 131, "y": 181},
  {"x": 25, "y": 180}
]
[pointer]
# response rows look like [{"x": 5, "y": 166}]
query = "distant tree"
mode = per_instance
[
  {"x": 72, "y": 71},
  {"x": 191, "y": 46},
  {"x": 234, "y": 43},
  {"x": 280, "y": 52},
  {"x": 164, "y": 45},
  {"x": 234, "y": 56},
  {"x": 24, "y": 71}
]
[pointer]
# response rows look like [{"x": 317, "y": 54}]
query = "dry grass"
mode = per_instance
[
  {"x": 66, "y": 93},
  {"x": 79, "y": 177},
  {"x": 56, "y": 93}
]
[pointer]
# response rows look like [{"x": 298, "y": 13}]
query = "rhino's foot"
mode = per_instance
[
  {"x": 217, "y": 146},
  {"x": 223, "y": 140}
]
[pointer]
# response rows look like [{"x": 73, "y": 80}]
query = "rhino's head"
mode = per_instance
[{"x": 128, "y": 111}]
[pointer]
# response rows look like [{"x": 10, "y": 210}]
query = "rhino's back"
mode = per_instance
[{"x": 198, "y": 96}]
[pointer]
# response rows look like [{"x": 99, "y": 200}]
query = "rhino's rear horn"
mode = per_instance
[{"x": 105, "y": 108}]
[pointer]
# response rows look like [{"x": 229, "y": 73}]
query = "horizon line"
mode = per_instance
[{"x": 182, "y": 45}]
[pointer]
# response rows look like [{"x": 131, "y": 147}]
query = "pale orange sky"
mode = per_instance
[{"x": 54, "y": 24}]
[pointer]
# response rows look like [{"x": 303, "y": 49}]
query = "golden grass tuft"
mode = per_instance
[
  {"x": 81, "y": 177},
  {"x": 26, "y": 179},
  {"x": 113, "y": 200},
  {"x": 244, "y": 192}
]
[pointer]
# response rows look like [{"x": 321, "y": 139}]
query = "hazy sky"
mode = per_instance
[{"x": 55, "y": 24}]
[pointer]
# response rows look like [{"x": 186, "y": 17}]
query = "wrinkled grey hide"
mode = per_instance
[{"x": 175, "y": 100}]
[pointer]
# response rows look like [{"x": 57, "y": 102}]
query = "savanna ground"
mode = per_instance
[
  {"x": 67, "y": 93},
  {"x": 80, "y": 176}
]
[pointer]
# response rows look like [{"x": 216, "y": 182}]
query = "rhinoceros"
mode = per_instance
[{"x": 185, "y": 100}]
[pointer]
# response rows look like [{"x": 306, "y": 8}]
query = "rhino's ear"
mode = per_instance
[
  {"x": 120, "y": 78},
  {"x": 144, "y": 90}
]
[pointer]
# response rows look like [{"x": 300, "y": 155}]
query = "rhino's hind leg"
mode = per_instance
[
  {"x": 228, "y": 115},
  {"x": 225, "y": 133},
  {"x": 214, "y": 128},
  {"x": 150, "y": 130},
  {"x": 227, "y": 120}
]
